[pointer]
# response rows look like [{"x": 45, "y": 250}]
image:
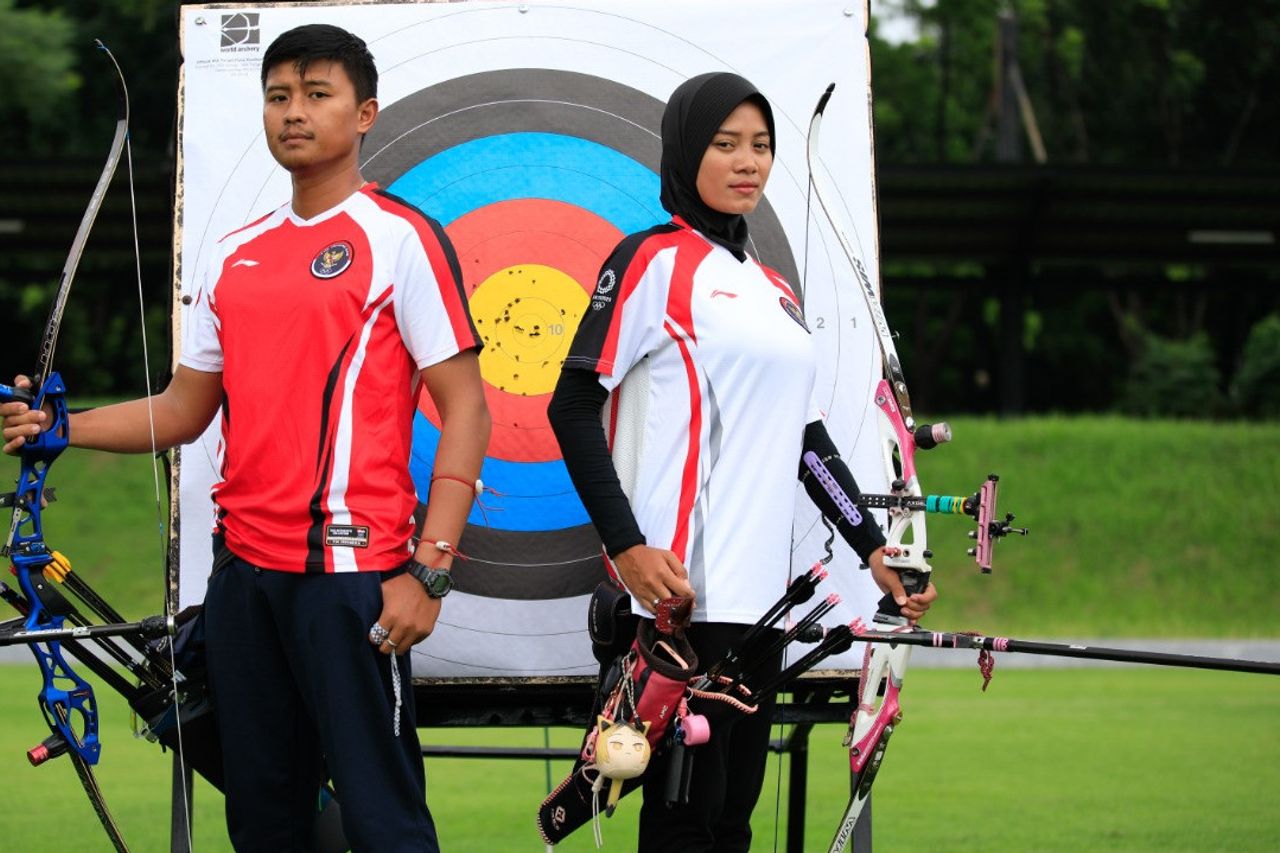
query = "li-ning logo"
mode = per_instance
[
  {"x": 332, "y": 261},
  {"x": 240, "y": 32}
]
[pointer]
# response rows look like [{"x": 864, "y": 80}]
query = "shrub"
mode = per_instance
[
  {"x": 1256, "y": 391},
  {"x": 1174, "y": 379}
]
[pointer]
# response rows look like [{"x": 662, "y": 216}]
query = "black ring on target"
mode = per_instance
[{"x": 535, "y": 175}]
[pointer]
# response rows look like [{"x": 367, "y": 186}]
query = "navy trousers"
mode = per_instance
[{"x": 301, "y": 693}]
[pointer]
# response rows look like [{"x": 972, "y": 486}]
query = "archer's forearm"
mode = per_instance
[
  {"x": 464, "y": 436},
  {"x": 178, "y": 415},
  {"x": 857, "y": 527},
  {"x": 574, "y": 415}
]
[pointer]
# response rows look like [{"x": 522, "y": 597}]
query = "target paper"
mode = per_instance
[{"x": 530, "y": 132}]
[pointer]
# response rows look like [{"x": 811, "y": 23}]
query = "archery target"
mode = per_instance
[
  {"x": 530, "y": 132},
  {"x": 535, "y": 175}
]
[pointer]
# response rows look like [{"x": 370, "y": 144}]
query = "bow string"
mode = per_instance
[
  {"x": 49, "y": 621},
  {"x": 877, "y": 710}
]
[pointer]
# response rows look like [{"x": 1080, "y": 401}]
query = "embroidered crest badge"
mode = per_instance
[
  {"x": 333, "y": 260},
  {"x": 793, "y": 311}
]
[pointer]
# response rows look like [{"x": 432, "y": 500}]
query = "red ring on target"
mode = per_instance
[{"x": 511, "y": 240}]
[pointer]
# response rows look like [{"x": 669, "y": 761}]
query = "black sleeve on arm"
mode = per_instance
[
  {"x": 862, "y": 533},
  {"x": 574, "y": 414}
]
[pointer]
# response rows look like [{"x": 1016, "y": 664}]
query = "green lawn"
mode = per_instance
[
  {"x": 1068, "y": 760},
  {"x": 1138, "y": 529}
]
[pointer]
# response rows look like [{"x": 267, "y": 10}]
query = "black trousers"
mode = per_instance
[
  {"x": 728, "y": 770},
  {"x": 300, "y": 692}
]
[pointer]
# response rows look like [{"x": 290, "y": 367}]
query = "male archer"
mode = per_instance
[{"x": 311, "y": 330}]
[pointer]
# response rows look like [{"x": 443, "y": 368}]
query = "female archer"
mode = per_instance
[{"x": 712, "y": 368}]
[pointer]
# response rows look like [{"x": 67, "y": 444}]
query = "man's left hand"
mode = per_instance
[{"x": 408, "y": 614}]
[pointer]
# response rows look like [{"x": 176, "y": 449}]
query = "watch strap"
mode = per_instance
[{"x": 436, "y": 581}]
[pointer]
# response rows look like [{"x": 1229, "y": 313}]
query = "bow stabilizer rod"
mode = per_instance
[
  {"x": 949, "y": 640},
  {"x": 151, "y": 627}
]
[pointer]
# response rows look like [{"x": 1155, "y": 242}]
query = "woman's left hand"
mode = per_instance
[{"x": 912, "y": 606}]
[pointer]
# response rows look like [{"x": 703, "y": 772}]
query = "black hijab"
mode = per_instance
[{"x": 693, "y": 115}]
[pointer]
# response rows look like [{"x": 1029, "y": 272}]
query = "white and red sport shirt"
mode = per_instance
[
  {"x": 320, "y": 328},
  {"x": 712, "y": 371}
]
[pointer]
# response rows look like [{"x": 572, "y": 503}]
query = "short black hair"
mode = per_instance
[{"x": 325, "y": 43}]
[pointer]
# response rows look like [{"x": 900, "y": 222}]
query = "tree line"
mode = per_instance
[{"x": 1182, "y": 84}]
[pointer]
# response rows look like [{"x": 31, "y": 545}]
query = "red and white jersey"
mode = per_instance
[
  {"x": 320, "y": 328},
  {"x": 712, "y": 372}
]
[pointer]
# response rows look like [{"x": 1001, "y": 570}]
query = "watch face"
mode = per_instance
[{"x": 438, "y": 583}]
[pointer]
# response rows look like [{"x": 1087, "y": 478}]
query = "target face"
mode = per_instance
[
  {"x": 531, "y": 133},
  {"x": 535, "y": 175}
]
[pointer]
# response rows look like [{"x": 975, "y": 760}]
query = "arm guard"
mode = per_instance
[{"x": 831, "y": 487}]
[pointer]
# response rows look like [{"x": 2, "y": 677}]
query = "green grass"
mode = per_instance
[
  {"x": 106, "y": 522},
  {"x": 1066, "y": 760},
  {"x": 1138, "y": 528}
]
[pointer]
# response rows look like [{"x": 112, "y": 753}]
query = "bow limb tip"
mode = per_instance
[{"x": 826, "y": 96}]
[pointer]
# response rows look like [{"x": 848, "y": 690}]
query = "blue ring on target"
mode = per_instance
[
  {"x": 552, "y": 166},
  {"x": 536, "y": 496}
]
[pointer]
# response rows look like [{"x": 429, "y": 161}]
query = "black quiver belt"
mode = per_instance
[{"x": 646, "y": 685}]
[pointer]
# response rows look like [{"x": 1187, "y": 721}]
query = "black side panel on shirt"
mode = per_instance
[
  {"x": 574, "y": 414},
  {"x": 315, "y": 533},
  {"x": 593, "y": 331}
]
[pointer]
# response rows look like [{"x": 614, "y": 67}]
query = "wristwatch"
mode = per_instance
[{"x": 437, "y": 582}]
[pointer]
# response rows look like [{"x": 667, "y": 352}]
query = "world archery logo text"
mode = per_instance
[{"x": 240, "y": 32}]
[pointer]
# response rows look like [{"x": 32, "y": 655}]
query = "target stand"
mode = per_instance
[
  {"x": 530, "y": 132},
  {"x": 566, "y": 702}
]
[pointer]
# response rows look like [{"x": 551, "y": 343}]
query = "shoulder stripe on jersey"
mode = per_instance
[
  {"x": 444, "y": 264},
  {"x": 633, "y": 255},
  {"x": 776, "y": 279},
  {"x": 689, "y": 256},
  {"x": 689, "y": 468},
  {"x": 252, "y": 224}
]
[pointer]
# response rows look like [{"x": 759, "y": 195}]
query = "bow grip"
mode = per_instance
[
  {"x": 49, "y": 443},
  {"x": 913, "y": 581},
  {"x": 14, "y": 394}
]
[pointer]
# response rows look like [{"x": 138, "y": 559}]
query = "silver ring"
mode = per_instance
[
  {"x": 378, "y": 634},
  {"x": 657, "y": 601},
  {"x": 391, "y": 644}
]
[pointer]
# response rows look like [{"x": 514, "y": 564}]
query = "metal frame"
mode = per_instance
[{"x": 566, "y": 701}]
